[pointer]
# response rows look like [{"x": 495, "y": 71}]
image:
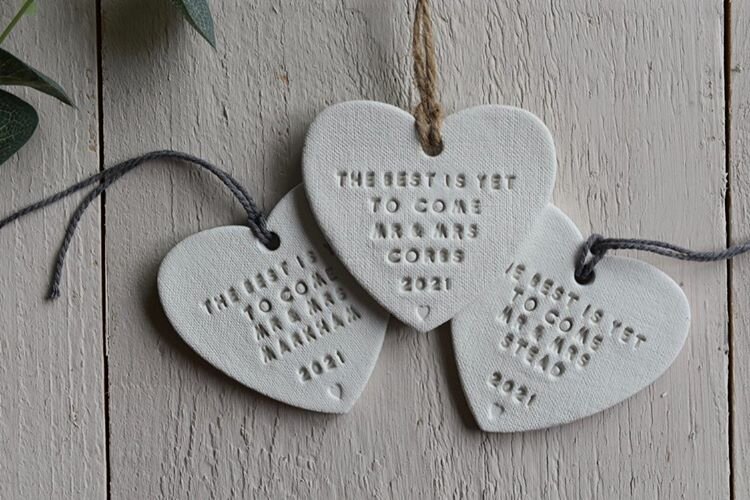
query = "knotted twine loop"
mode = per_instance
[
  {"x": 596, "y": 247},
  {"x": 256, "y": 221},
  {"x": 428, "y": 114}
]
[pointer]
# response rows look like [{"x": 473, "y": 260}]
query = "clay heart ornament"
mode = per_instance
[
  {"x": 423, "y": 234},
  {"x": 289, "y": 323},
  {"x": 538, "y": 349}
]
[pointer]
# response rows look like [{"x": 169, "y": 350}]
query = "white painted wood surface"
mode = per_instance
[
  {"x": 52, "y": 425},
  {"x": 740, "y": 211},
  {"x": 634, "y": 94}
]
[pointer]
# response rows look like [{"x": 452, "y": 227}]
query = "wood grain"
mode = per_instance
[
  {"x": 740, "y": 209},
  {"x": 634, "y": 94},
  {"x": 52, "y": 429}
]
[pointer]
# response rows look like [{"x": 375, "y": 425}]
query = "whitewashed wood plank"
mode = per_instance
[
  {"x": 633, "y": 92},
  {"x": 52, "y": 429},
  {"x": 740, "y": 209}
]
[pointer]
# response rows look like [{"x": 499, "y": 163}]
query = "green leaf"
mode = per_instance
[
  {"x": 28, "y": 7},
  {"x": 13, "y": 71},
  {"x": 199, "y": 16},
  {"x": 31, "y": 9},
  {"x": 18, "y": 120}
]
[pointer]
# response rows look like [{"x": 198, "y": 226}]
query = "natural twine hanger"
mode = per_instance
[
  {"x": 428, "y": 114},
  {"x": 428, "y": 117}
]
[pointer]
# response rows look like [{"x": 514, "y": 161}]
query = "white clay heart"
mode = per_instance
[
  {"x": 423, "y": 234},
  {"x": 538, "y": 349},
  {"x": 291, "y": 323}
]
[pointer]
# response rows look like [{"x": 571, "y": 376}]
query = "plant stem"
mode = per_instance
[{"x": 26, "y": 5}]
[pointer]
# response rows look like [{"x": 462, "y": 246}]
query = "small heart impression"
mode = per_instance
[
  {"x": 422, "y": 233},
  {"x": 289, "y": 322},
  {"x": 540, "y": 349}
]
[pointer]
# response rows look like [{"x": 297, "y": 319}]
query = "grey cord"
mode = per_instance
[
  {"x": 596, "y": 247},
  {"x": 590, "y": 254},
  {"x": 256, "y": 221}
]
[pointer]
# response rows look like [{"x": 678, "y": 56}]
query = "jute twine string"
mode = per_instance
[
  {"x": 429, "y": 119},
  {"x": 429, "y": 112}
]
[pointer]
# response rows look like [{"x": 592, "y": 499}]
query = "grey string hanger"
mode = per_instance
[
  {"x": 597, "y": 246},
  {"x": 590, "y": 254},
  {"x": 256, "y": 220}
]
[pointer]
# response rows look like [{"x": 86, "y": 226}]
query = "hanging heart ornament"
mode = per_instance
[
  {"x": 539, "y": 349},
  {"x": 423, "y": 234},
  {"x": 290, "y": 323}
]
